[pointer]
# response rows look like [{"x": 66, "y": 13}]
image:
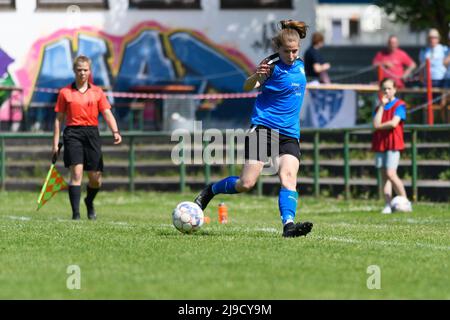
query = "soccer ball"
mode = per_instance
[
  {"x": 187, "y": 217},
  {"x": 401, "y": 204}
]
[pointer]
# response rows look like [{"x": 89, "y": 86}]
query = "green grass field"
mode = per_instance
[{"x": 133, "y": 252}]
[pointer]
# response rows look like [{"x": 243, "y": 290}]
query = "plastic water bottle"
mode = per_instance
[{"x": 223, "y": 213}]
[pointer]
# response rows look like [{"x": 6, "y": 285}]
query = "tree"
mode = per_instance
[{"x": 421, "y": 14}]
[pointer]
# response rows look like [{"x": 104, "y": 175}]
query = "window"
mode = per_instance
[
  {"x": 255, "y": 4},
  {"x": 165, "y": 4},
  {"x": 336, "y": 31},
  {"x": 84, "y": 4},
  {"x": 353, "y": 27},
  {"x": 7, "y": 4}
]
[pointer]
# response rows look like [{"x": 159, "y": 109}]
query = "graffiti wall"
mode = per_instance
[{"x": 210, "y": 50}]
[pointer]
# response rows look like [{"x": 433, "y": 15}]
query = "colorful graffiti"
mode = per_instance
[
  {"x": 149, "y": 54},
  {"x": 264, "y": 44},
  {"x": 8, "y": 111}
]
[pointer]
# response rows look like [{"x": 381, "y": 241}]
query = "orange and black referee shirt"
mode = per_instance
[{"x": 81, "y": 109}]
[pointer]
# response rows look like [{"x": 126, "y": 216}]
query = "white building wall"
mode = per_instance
[
  {"x": 239, "y": 29},
  {"x": 375, "y": 26}
]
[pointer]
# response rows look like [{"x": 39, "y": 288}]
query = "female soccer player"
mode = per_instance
[
  {"x": 275, "y": 117},
  {"x": 387, "y": 140},
  {"x": 79, "y": 104}
]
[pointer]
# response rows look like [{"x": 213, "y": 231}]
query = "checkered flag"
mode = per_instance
[{"x": 53, "y": 183}]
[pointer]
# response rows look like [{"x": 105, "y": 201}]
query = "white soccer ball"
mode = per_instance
[
  {"x": 401, "y": 204},
  {"x": 187, "y": 217}
]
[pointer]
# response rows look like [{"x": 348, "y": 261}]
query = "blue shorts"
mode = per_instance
[{"x": 388, "y": 159}]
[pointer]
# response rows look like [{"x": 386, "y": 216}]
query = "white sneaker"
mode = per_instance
[{"x": 387, "y": 210}]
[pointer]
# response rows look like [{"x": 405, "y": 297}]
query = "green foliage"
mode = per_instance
[
  {"x": 420, "y": 14},
  {"x": 5, "y": 81},
  {"x": 367, "y": 103},
  {"x": 445, "y": 175},
  {"x": 324, "y": 173}
]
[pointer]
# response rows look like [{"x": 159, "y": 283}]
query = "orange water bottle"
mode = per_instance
[{"x": 223, "y": 213}]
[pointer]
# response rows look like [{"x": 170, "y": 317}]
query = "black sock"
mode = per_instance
[
  {"x": 91, "y": 193},
  {"x": 74, "y": 196}
]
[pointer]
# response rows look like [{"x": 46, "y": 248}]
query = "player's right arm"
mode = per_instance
[
  {"x": 379, "y": 112},
  {"x": 258, "y": 78},
  {"x": 318, "y": 68},
  {"x": 60, "y": 109},
  {"x": 59, "y": 120},
  {"x": 378, "y": 117}
]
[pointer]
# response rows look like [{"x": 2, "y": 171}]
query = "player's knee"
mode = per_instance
[
  {"x": 288, "y": 180},
  {"x": 76, "y": 178},
  {"x": 95, "y": 184},
  {"x": 95, "y": 181},
  {"x": 391, "y": 174},
  {"x": 247, "y": 185}
]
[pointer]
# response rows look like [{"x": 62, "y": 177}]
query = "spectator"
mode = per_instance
[
  {"x": 315, "y": 66},
  {"x": 445, "y": 97},
  {"x": 436, "y": 52},
  {"x": 394, "y": 60},
  {"x": 447, "y": 74},
  {"x": 388, "y": 141}
]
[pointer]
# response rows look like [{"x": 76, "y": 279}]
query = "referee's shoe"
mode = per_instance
[{"x": 90, "y": 210}]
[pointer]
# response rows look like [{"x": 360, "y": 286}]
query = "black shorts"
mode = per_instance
[
  {"x": 260, "y": 140},
  {"x": 82, "y": 145}
]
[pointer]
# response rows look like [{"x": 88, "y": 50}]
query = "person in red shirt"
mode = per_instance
[
  {"x": 393, "y": 60},
  {"x": 388, "y": 141},
  {"x": 79, "y": 104}
]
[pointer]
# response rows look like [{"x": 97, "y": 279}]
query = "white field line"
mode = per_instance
[
  {"x": 384, "y": 225},
  {"x": 359, "y": 225},
  {"x": 333, "y": 209},
  {"x": 120, "y": 223},
  {"x": 348, "y": 240},
  {"x": 273, "y": 230},
  {"x": 384, "y": 243},
  {"x": 421, "y": 221},
  {"x": 270, "y": 230},
  {"x": 166, "y": 225},
  {"x": 18, "y": 218},
  {"x": 115, "y": 223}
]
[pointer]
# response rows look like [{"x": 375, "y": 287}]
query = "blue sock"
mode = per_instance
[
  {"x": 287, "y": 202},
  {"x": 225, "y": 186}
]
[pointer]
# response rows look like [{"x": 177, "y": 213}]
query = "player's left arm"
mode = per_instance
[
  {"x": 399, "y": 115},
  {"x": 447, "y": 59},
  {"x": 409, "y": 70},
  {"x": 112, "y": 124},
  {"x": 409, "y": 64},
  {"x": 378, "y": 116},
  {"x": 391, "y": 124}
]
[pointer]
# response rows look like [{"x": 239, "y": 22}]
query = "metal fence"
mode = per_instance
[{"x": 130, "y": 138}]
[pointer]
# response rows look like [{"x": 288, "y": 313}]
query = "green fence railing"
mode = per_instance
[{"x": 131, "y": 138}]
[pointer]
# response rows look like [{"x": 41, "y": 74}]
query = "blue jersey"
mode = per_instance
[
  {"x": 400, "y": 111},
  {"x": 278, "y": 105}
]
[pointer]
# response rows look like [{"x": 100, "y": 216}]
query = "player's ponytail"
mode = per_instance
[
  {"x": 291, "y": 30},
  {"x": 298, "y": 26}
]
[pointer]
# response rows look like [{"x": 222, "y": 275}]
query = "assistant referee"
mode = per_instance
[{"x": 79, "y": 105}]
